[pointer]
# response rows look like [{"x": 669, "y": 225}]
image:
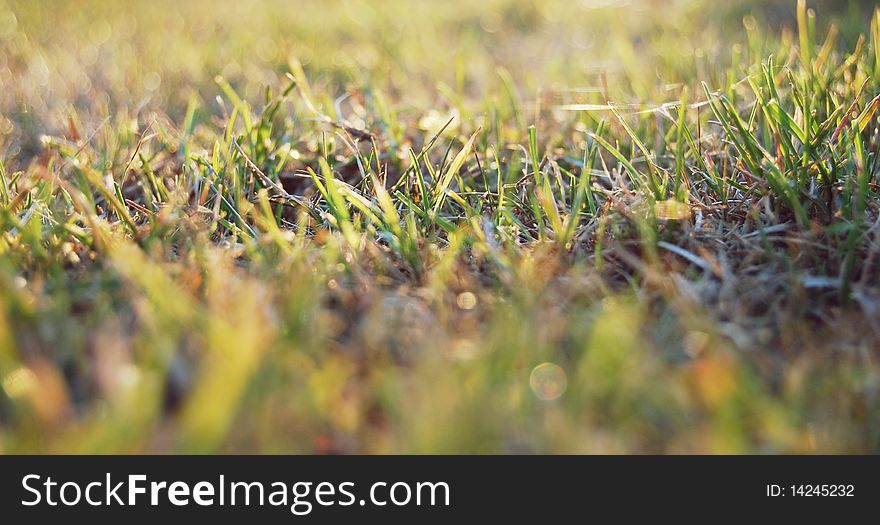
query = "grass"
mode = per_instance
[{"x": 436, "y": 227}]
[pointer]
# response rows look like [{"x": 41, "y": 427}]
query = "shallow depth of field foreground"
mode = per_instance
[{"x": 332, "y": 226}]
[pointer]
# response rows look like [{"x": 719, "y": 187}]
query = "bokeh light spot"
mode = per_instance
[
  {"x": 548, "y": 381},
  {"x": 466, "y": 300},
  {"x": 19, "y": 382}
]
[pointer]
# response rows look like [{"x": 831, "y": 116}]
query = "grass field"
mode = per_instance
[{"x": 594, "y": 226}]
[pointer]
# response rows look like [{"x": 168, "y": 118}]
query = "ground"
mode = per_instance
[{"x": 439, "y": 227}]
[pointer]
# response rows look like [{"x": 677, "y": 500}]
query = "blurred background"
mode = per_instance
[{"x": 97, "y": 58}]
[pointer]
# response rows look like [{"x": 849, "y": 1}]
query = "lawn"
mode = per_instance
[{"x": 532, "y": 226}]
